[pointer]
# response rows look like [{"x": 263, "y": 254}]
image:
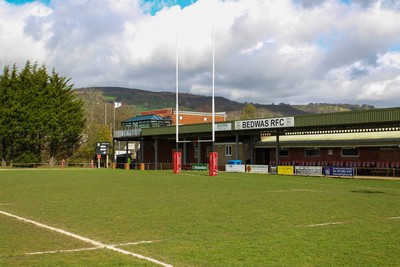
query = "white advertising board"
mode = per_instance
[
  {"x": 308, "y": 170},
  {"x": 257, "y": 168},
  {"x": 264, "y": 123},
  {"x": 235, "y": 168},
  {"x": 223, "y": 126}
]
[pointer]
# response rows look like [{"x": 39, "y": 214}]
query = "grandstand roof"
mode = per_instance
[{"x": 145, "y": 118}]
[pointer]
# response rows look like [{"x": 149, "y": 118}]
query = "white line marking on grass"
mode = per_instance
[
  {"x": 84, "y": 249},
  {"x": 134, "y": 243},
  {"x": 62, "y": 251},
  {"x": 394, "y": 218},
  {"x": 6, "y": 204},
  {"x": 325, "y": 224},
  {"x": 87, "y": 240},
  {"x": 293, "y": 190},
  {"x": 306, "y": 190}
]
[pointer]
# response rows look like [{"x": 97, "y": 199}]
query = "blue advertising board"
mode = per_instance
[{"x": 339, "y": 171}]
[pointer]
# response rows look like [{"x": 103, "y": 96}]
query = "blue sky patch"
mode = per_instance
[
  {"x": 152, "y": 6},
  {"x": 22, "y": 2},
  {"x": 157, "y": 5}
]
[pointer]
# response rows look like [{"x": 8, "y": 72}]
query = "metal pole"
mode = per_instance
[
  {"x": 277, "y": 151},
  {"x": 237, "y": 146},
  {"x": 156, "y": 153},
  {"x": 198, "y": 150},
  {"x": 114, "y": 120},
  {"x": 126, "y": 151},
  {"x": 114, "y": 154},
  {"x": 184, "y": 152},
  {"x": 142, "y": 150},
  {"x": 251, "y": 150}
]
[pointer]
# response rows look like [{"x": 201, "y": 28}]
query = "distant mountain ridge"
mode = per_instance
[{"x": 147, "y": 100}]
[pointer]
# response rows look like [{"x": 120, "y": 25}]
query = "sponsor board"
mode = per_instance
[
  {"x": 223, "y": 127},
  {"x": 199, "y": 167},
  {"x": 235, "y": 168},
  {"x": 257, "y": 168},
  {"x": 308, "y": 170},
  {"x": 286, "y": 170},
  {"x": 264, "y": 123},
  {"x": 339, "y": 171}
]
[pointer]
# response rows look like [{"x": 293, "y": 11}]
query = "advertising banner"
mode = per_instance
[
  {"x": 199, "y": 167},
  {"x": 177, "y": 162},
  {"x": 308, "y": 170},
  {"x": 235, "y": 168},
  {"x": 257, "y": 168},
  {"x": 339, "y": 171},
  {"x": 223, "y": 126},
  {"x": 213, "y": 164},
  {"x": 286, "y": 170}
]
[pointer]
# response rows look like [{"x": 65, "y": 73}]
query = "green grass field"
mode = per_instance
[{"x": 196, "y": 220}]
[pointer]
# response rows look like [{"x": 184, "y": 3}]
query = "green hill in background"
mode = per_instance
[{"x": 148, "y": 100}]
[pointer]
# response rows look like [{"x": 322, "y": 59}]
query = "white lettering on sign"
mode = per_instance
[{"x": 265, "y": 123}]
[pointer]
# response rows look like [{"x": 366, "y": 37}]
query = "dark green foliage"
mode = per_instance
[
  {"x": 40, "y": 116},
  {"x": 26, "y": 159},
  {"x": 249, "y": 112}
]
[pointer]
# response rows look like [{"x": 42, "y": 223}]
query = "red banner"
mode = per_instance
[
  {"x": 177, "y": 162},
  {"x": 213, "y": 164}
]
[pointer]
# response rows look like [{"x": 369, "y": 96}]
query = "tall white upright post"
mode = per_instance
[
  {"x": 177, "y": 87},
  {"x": 213, "y": 76}
]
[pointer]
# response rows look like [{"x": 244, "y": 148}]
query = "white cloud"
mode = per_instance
[
  {"x": 379, "y": 91},
  {"x": 295, "y": 51},
  {"x": 389, "y": 61},
  {"x": 15, "y": 45}
]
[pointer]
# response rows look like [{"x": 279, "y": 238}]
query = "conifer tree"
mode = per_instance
[{"x": 40, "y": 116}]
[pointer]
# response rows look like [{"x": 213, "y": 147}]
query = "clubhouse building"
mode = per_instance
[{"x": 368, "y": 139}]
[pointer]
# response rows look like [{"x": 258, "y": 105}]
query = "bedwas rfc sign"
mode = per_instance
[{"x": 264, "y": 123}]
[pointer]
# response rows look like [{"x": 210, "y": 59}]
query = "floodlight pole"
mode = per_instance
[
  {"x": 105, "y": 114},
  {"x": 114, "y": 120}
]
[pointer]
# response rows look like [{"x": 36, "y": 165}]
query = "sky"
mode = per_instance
[{"x": 266, "y": 51}]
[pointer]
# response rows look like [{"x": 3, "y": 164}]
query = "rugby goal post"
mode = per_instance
[
  {"x": 213, "y": 157},
  {"x": 213, "y": 88}
]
